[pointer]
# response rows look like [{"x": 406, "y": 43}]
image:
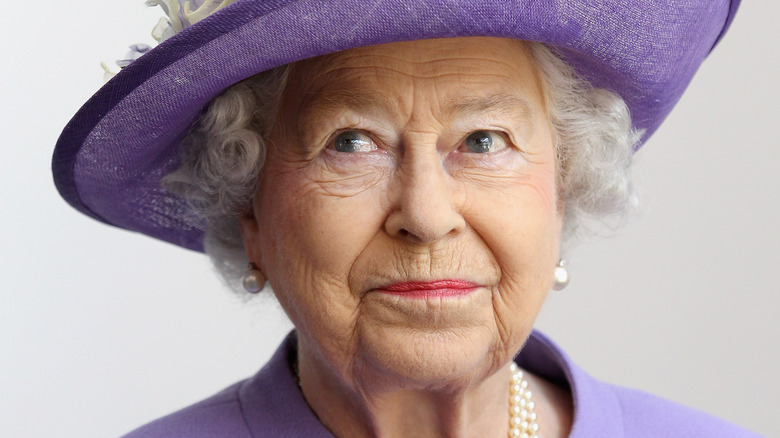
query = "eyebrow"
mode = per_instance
[
  {"x": 505, "y": 104},
  {"x": 361, "y": 101}
]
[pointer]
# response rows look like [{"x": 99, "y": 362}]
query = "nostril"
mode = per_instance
[
  {"x": 410, "y": 237},
  {"x": 420, "y": 220},
  {"x": 426, "y": 231}
]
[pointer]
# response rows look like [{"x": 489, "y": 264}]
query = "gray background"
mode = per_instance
[{"x": 102, "y": 330}]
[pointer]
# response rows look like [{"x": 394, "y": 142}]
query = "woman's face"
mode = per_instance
[{"x": 406, "y": 217}]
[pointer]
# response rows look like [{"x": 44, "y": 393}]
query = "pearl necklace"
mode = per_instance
[{"x": 522, "y": 418}]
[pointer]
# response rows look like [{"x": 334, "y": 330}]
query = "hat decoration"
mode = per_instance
[
  {"x": 180, "y": 15},
  {"x": 183, "y": 13}
]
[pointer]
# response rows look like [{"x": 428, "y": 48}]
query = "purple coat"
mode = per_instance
[{"x": 271, "y": 405}]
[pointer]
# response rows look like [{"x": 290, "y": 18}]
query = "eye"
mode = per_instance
[
  {"x": 353, "y": 141},
  {"x": 482, "y": 142}
]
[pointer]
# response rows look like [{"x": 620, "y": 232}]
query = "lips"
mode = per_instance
[{"x": 430, "y": 289}]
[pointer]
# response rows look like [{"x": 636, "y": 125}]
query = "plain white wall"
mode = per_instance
[{"x": 102, "y": 330}]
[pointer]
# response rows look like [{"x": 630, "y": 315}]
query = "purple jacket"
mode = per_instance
[{"x": 271, "y": 405}]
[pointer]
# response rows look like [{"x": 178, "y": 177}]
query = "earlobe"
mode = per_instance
[
  {"x": 253, "y": 279},
  {"x": 249, "y": 235}
]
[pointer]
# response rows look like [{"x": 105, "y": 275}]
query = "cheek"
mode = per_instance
[
  {"x": 522, "y": 232},
  {"x": 518, "y": 208},
  {"x": 521, "y": 225},
  {"x": 311, "y": 234}
]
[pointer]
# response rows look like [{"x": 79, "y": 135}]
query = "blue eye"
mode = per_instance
[
  {"x": 482, "y": 142},
  {"x": 353, "y": 141}
]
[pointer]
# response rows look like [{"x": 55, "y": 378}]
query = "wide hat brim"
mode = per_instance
[{"x": 110, "y": 158}]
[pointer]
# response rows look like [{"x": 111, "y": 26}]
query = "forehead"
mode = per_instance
[{"x": 456, "y": 70}]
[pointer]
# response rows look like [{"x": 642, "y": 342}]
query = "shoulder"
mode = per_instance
[
  {"x": 606, "y": 410},
  {"x": 645, "y": 415},
  {"x": 216, "y": 416},
  {"x": 267, "y": 405}
]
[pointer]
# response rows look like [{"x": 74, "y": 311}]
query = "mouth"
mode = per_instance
[{"x": 430, "y": 289}]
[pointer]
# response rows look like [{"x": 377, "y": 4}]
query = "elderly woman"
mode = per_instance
[{"x": 402, "y": 175}]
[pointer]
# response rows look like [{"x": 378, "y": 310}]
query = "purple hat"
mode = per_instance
[{"x": 110, "y": 158}]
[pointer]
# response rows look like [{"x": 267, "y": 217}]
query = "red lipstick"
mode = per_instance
[{"x": 430, "y": 289}]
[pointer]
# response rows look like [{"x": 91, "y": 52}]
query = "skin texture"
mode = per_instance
[{"x": 413, "y": 203}]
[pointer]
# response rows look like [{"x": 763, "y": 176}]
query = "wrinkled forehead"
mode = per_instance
[{"x": 462, "y": 73}]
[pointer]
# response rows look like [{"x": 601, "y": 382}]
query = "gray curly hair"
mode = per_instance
[{"x": 224, "y": 153}]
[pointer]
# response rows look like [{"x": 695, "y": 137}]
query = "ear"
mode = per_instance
[{"x": 250, "y": 234}]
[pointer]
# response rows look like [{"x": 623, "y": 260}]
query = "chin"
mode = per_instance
[{"x": 429, "y": 358}]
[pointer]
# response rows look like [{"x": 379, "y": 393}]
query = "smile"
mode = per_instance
[{"x": 430, "y": 289}]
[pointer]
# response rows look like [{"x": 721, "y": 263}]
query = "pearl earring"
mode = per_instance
[
  {"x": 561, "y": 276},
  {"x": 253, "y": 280}
]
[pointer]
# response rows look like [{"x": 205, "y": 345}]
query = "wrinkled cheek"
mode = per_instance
[
  {"x": 314, "y": 237},
  {"x": 521, "y": 227}
]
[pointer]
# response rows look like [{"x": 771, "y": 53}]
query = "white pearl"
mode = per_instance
[
  {"x": 251, "y": 283},
  {"x": 522, "y": 420},
  {"x": 561, "y": 277}
]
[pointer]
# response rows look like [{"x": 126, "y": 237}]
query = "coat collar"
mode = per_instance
[{"x": 273, "y": 405}]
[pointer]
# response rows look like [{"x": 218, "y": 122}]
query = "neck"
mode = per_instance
[{"x": 367, "y": 403}]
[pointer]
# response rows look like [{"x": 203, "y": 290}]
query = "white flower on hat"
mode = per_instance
[
  {"x": 136, "y": 51},
  {"x": 183, "y": 13}
]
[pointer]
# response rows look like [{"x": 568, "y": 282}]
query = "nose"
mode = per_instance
[{"x": 425, "y": 206}]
